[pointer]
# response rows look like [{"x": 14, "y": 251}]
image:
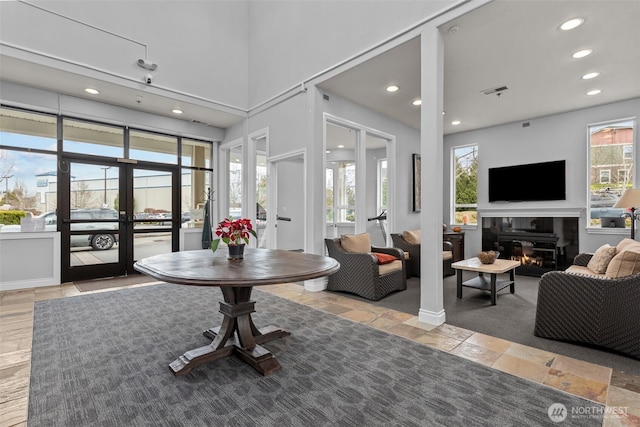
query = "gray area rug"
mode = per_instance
[
  {"x": 114, "y": 282},
  {"x": 101, "y": 360},
  {"x": 512, "y": 318}
]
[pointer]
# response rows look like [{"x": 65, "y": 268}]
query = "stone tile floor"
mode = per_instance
[{"x": 619, "y": 391}]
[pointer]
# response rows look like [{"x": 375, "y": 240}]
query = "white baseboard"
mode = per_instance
[
  {"x": 316, "y": 285},
  {"x": 431, "y": 317}
]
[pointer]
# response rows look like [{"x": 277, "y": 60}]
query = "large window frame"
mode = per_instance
[
  {"x": 464, "y": 170},
  {"x": 39, "y": 140},
  {"x": 611, "y": 158}
]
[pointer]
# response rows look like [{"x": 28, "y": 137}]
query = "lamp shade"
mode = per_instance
[{"x": 630, "y": 199}]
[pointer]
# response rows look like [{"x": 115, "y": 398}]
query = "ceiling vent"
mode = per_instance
[{"x": 496, "y": 90}]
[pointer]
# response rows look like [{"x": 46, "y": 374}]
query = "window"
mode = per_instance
[
  {"x": 196, "y": 180},
  {"x": 154, "y": 147},
  {"x": 92, "y": 138},
  {"x": 382, "y": 185},
  {"x": 346, "y": 188},
  {"x": 464, "y": 185},
  {"x": 611, "y": 164},
  {"x": 28, "y": 161}
]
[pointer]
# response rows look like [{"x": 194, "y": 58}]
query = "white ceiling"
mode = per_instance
[
  {"x": 517, "y": 44},
  {"x": 512, "y": 43}
]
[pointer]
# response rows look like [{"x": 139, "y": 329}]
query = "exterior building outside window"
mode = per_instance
[{"x": 611, "y": 168}]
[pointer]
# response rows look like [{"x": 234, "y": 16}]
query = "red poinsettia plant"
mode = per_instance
[{"x": 233, "y": 232}]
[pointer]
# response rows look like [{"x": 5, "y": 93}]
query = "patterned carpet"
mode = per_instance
[
  {"x": 101, "y": 360},
  {"x": 114, "y": 282}
]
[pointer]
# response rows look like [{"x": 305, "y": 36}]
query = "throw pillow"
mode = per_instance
[
  {"x": 625, "y": 244},
  {"x": 600, "y": 260},
  {"x": 384, "y": 258},
  {"x": 412, "y": 236},
  {"x": 356, "y": 242},
  {"x": 626, "y": 263}
]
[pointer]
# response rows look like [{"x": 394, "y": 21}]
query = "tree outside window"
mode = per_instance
[{"x": 465, "y": 185}]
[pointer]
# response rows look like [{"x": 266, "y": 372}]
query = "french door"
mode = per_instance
[{"x": 114, "y": 212}]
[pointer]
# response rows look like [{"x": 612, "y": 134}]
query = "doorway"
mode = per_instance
[
  {"x": 113, "y": 213},
  {"x": 287, "y": 193}
]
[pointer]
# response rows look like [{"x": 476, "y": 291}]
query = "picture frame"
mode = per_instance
[{"x": 417, "y": 188}]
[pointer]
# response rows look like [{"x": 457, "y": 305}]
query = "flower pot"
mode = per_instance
[{"x": 236, "y": 252}]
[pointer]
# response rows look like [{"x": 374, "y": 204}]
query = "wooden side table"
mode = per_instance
[
  {"x": 492, "y": 285},
  {"x": 457, "y": 240}
]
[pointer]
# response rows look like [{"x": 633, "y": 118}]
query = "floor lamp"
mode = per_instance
[{"x": 630, "y": 200}]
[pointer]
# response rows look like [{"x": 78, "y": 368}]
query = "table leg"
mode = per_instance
[
  {"x": 459, "y": 283},
  {"x": 237, "y": 334},
  {"x": 493, "y": 289},
  {"x": 512, "y": 278}
]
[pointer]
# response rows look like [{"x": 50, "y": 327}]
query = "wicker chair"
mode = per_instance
[
  {"x": 414, "y": 255},
  {"x": 360, "y": 273},
  {"x": 598, "y": 311}
]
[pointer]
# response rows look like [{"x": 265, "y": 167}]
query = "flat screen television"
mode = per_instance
[{"x": 528, "y": 182}]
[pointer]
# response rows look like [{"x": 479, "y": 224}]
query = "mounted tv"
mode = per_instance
[{"x": 528, "y": 182}]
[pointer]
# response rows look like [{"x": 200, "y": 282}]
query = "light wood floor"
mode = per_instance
[{"x": 618, "y": 390}]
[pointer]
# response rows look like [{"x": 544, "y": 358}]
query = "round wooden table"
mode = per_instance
[{"x": 236, "y": 279}]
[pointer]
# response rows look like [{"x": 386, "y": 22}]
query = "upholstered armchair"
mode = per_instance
[
  {"x": 586, "y": 306},
  {"x": 362, "y": 273},
  {"x": 411, "y": 244}
]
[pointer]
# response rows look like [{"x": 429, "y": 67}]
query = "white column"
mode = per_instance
[{"x": 431, "y": 144}]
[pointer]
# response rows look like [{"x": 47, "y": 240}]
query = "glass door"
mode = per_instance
[
  {"x": 114, "y": 214},
  {"x": 89, "y": 220}
]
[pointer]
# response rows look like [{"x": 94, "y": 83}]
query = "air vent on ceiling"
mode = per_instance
[
  {"x": 497, "y": 90},
  {"x": 201, "y": 122}
]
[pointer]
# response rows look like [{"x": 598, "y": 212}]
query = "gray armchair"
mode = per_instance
[
  {"x": 414, "y": 255},
  {"x": 360, "y": 273},
  {"x": 587, "y": 309}
]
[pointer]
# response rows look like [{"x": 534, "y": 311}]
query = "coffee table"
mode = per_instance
[
  {"x": 237, "y": 334},
  {"x": 492, "y": 285}
]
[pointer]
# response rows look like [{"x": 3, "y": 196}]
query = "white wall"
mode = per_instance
[
  {"x": 201, "y": 47},
  {"x": 291, "y": 41},
  {"x": 557, "y": 137}
]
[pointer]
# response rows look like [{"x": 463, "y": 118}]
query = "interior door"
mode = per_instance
[
  {"x": 112, "y": 214},
  {"x": 290, "y": 217}
]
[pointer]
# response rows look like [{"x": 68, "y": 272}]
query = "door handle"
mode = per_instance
[{"x": 282, "y": 218}]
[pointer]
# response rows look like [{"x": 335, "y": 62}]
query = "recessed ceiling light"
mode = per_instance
[
  {"x": 594, "y": 92},
  {"x": 590, "y": 75},
  {"x": 571, "y": 24},
  {"x": 392, "y": 88},
  {"x": 340, "y": 146},
  {"x": 417, "y": 102},
  {"x": 92, "y": 91},
  {"x": 176, "y": 111},
  {"x": 582, "y": 53},
  {"x": 328, "y": 151},
  {"x": 456, "y": 122}
]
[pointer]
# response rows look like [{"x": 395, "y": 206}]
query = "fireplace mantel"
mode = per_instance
[{"x": 530, "y": 212}]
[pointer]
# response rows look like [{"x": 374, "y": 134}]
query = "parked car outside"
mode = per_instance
[
  {"x": 98, "y": 241},
  {"x": 602, "y": 205}
]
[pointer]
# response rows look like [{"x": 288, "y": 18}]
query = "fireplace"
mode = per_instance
[{"x": 540, "y": 244}]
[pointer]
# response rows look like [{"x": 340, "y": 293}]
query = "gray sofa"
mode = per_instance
[{"x": 583, "y": 308}]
